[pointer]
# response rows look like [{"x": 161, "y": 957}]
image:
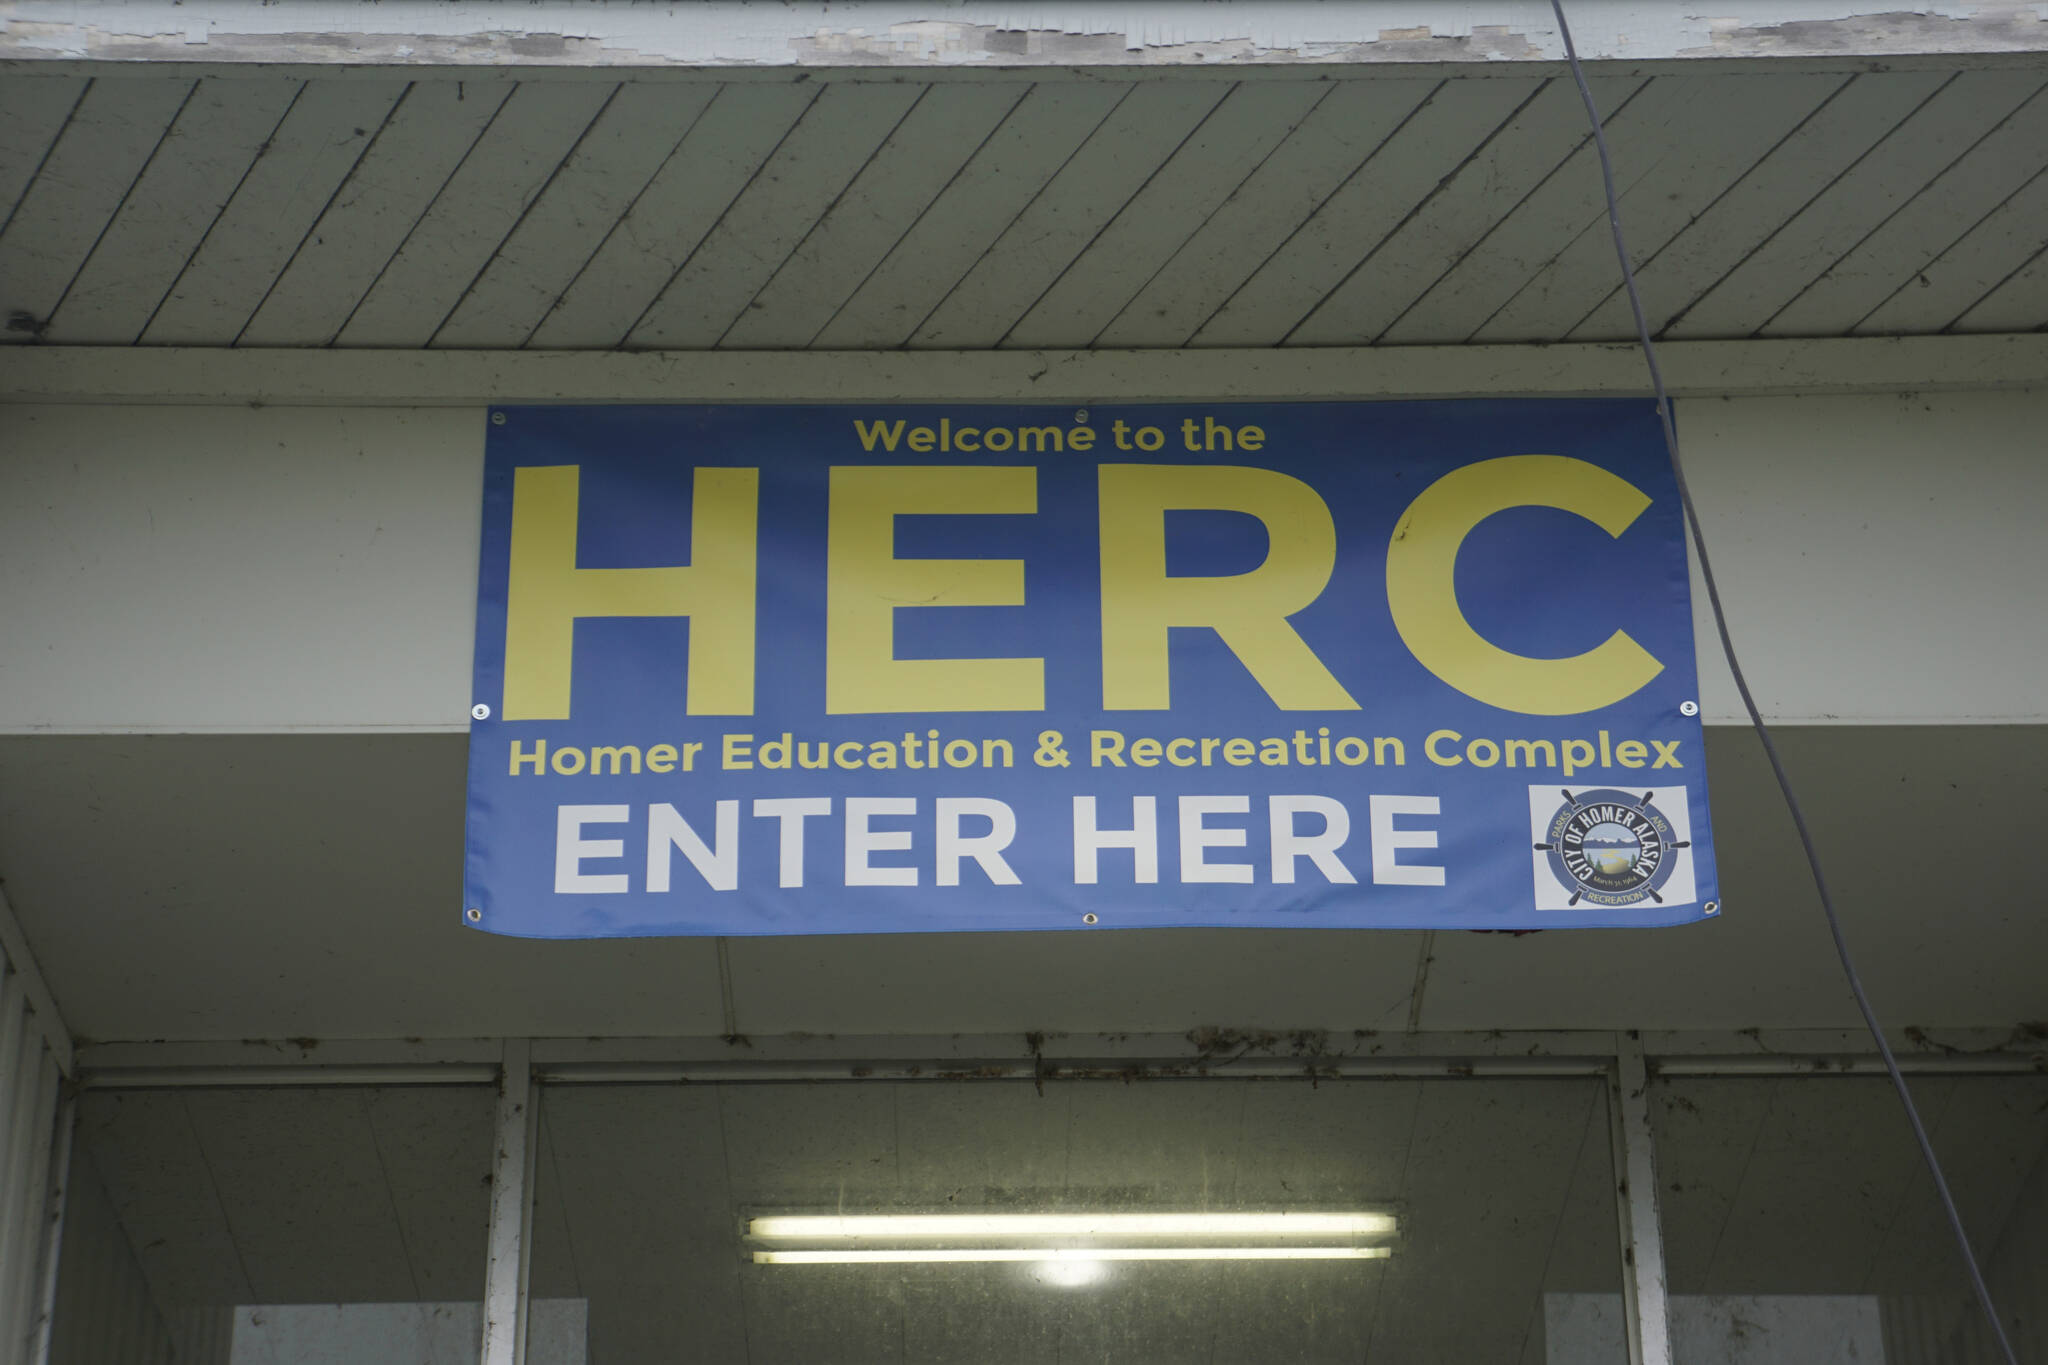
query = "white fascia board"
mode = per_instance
[
  {"x": 979, "y": 34},
  {"x": 413, "y": 378}
]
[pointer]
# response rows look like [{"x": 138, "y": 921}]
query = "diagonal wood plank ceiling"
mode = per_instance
[{"x": 1067, "y": 209}]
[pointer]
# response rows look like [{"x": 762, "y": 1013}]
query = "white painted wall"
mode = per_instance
[
  {"x": 183, "y": 568},
  {"x": 236, "y": 569}
]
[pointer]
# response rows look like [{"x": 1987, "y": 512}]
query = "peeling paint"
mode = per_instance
[
  {"x": 928, "y": 41},
  {"x": 1991, "y": 28},
  {"x": 981, "y": 34},
  {"x": 507, "y": 48},
  {"x": 923, "y": 42}
]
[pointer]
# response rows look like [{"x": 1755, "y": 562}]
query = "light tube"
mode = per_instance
[
  {"x": 905, "y": 1255},
  {"x": 858, "y": 1227}
]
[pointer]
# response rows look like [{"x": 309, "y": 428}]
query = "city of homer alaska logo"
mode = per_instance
[{"x": 1610, "y": 847}]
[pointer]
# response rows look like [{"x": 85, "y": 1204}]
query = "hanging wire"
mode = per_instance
[{"x": 1756, "y": 719}]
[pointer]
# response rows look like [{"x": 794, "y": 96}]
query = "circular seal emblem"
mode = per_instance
[{"x": 1611, "y": 847}]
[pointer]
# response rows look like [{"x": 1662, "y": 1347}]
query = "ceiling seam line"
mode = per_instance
[
  {"x": 390, "y": 1195},
  {"x": 1196, "y": 230},
  {"x": 1748, "y": 1160},
  {"x": 114, "y": 217},
  {"x": 227, "y": 1221},
  {"x": 625, "y": 213},
  {"x": 1594, "y": 226},
  {"x": 1422, "y": 1092},
  {"x": 83, "y": 1167},
  {"x": 28, "y": 185},
  {"x": 1130, "y": 89},
  {"x": 725, "y": 1169},
  {"x": 1428, "y": 98},
  {"x": 1597, "y": 224},
  {"x": 1422, "y": 203},
  {"x": 817, "y": 93},
  {"x": 1943, "y": 255},
  {"x": 1644, "y": 265},
  {"x": 1501, "y": 223},
  {"x": 326, "y": 208},
  {"x": 426, "y": 210},
  {"x": 797, "y": 247},
  {"x": 1876, "y": 1244},
  {"x": 1809, "y": 202},
  {"x": 904, "y": 236},
  {"x": 520, "y": 218},
  {"x": 1534, "y": 272},
  {"x": 1415, "y": 209},
  {"x": 262, "y": 150},
  {"x": 2038, "y": 257},
  {"x": 1244, "y": 1094},
  {"x": 1121, "y": 210},
  {"x": 1596, "y": 1110},
  {"x": 1910, "y": 200},
  {"x": 544, "y": 1135}
]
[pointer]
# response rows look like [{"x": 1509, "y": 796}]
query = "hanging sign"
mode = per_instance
[{"x": 774, "y": 670}]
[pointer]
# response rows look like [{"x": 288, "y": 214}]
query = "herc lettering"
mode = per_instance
[{"x": 1141, "y": 602}]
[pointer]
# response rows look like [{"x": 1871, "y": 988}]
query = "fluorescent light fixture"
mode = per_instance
[
  {"x": 1068, "y": 1274},
  {"x": 941, "y": 1226},
  {"x": 906, "y": 1255}
]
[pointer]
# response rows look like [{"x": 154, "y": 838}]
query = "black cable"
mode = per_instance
[{"x": 1756, "y": 719}]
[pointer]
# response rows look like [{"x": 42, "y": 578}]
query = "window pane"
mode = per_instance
[
  {"x": 1502, "y": 1190},
  {"x": 1800, "y": 1224},
  {"x": 243, "y": 1227}
]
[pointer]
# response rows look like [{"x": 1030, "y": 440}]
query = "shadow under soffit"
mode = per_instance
[{"x": 309, "y": 886}]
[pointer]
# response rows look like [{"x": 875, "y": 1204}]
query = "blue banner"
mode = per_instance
[{"x": 776, "y": 670}]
